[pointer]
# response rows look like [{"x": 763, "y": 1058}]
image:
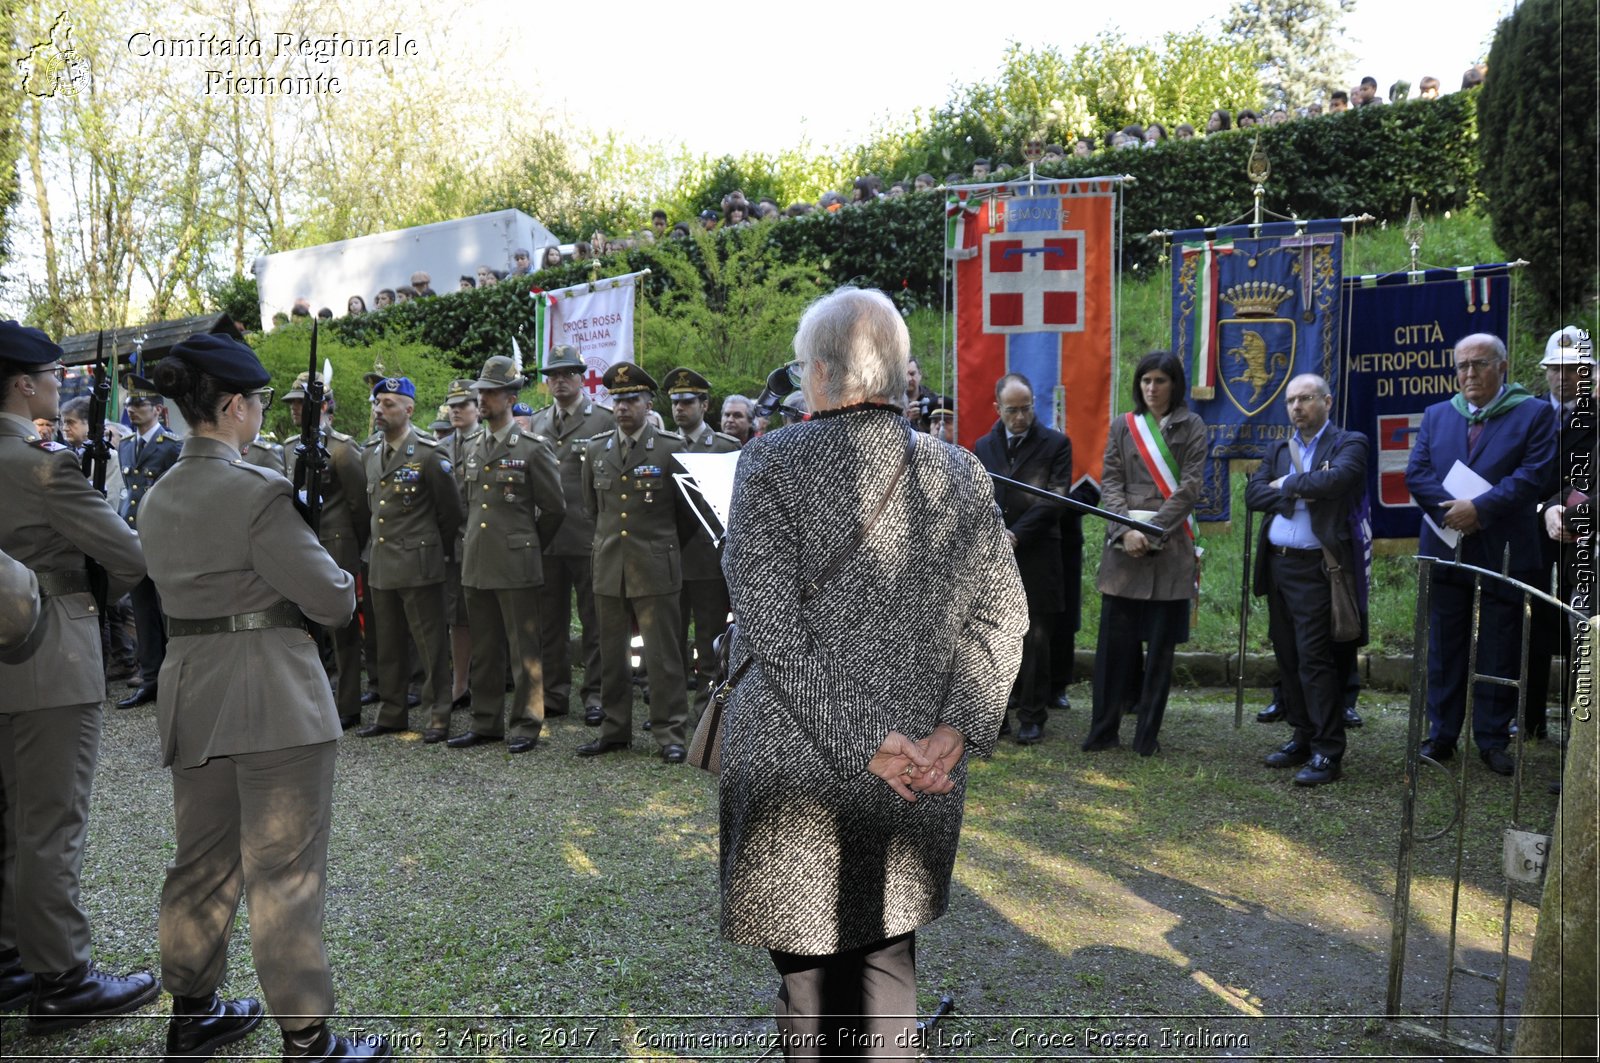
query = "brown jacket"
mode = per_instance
[
  {"x": 51, "y": 518},
  {"x": 638, "y": 522},
  {"x": 416, "y": 513},
  {"x": 223, "y": 537},
  {"x": 1166, "y": 574},
  {"x": 575, "y": 537},
  {"x": 514, "y": 504}
]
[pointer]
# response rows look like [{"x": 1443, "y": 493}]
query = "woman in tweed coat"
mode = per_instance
[
  {"x": 843, "y": 775},
  {"x": 1146, "y": 587}
]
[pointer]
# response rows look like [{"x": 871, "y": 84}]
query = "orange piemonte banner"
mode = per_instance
[{"x": 1034, "y": 264}]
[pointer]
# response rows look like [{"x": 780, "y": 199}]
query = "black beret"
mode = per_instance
[
  {"x": 26, "y": 346},
  {"x": 231, "y": 362}
]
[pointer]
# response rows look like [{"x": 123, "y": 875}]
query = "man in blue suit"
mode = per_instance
[
  {"x": 1507, "y": 438},
  {"x": 145, "y": 455}
]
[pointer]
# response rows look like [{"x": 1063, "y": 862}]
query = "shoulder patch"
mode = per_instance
[{"x": 49, "y": 446}]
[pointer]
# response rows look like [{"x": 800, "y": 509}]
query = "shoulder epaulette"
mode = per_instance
[
  {"x": 334, "y": 433},
  {"x": 667, "y": 433},
  {"x": 598, "y": 436},
  {"x": 49, "y": 446},
  {"x": 259, "y": 470},
  {"x": 426, "y": 441},
  {"x": 725, "y": 436}
]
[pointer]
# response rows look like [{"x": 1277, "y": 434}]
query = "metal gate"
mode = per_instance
[{"x": 1439, "y": 1027}]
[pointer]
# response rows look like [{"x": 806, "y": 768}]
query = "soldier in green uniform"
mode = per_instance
[
  {"x": 145, "y": 455},
  {"x": 265, "y": 452},
  {"x": 416, "y": 513},
  {"x": 704, "y": 603},
  {"x": 569, "y": 422},
  {"x": 514, "y": 506},
  {"x": 342, "y": 531},
  {"x": 640, "y": 527},
  {"x": 51, "y": 694},
  {"x": 247, "y": 725},
  {"x": 461, "y": 403}
]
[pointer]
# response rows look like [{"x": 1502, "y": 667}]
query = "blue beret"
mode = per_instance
[
  {"x": 395, "y": 385},
  {"x": 26, "y": 346},
  {"x": 231, "y": 362},
  {"x": 522, "y": 409}
]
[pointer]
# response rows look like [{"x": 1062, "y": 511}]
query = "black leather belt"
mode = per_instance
[
  {"x": 1293, "y": 551},
  {"x": 56, "y": 584},
  {"x": 284, "y": 614}
]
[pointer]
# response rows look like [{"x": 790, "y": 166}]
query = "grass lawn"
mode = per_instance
[{"x": 544, "y": 906}]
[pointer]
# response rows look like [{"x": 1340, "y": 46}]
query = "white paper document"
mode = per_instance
[
  {"x": 1459, "y": 482},
  {"x": 712, "y": 478}
]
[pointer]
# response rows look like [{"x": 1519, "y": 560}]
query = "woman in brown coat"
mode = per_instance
[{"x": 1154, "y": 468}]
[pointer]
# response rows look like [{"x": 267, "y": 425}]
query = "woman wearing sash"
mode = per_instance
[{"x": 1154, "y": 466}]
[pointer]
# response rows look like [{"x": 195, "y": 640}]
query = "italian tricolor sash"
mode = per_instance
[{"x": 1146, "y": 432}]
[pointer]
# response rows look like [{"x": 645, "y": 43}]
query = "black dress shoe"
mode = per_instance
[
  {"x": 16, "y": 984},
  {"x": 373, "y": 730},
  {"x": 521, "y": 744},
  {"x": 1290, "y": 754},
  {"x": 648, "y": 724},
  {"x": 673, "y": 753},
  {"x": 1059, "y": 700},
  {"x": 350, "y": 722},
  {"x": 1271, "y": 714},
  {"x": 463, "y": 702},
  {"x": 317, "y": 1044},
  {"x": 472, "y": 738},
  {"x": 1030, "y": 733},
  {"x": 1319, "y": 769},
  {"x": 597, "y": 748},
  {"x": 593, "y": 715},
  {"x": 142, "y": 695},
  {"x": 201, "y": 1025},
  {"x": 1498, "y": 760},
  {"x": 1436, "y": 751},
  {"x": 370, "y": 697},
  {"x": 83, "y": 994},
  {"x": 1352, "y": 718},
  {"x": 413, "y": 699},
  {"x": 434, "y": 735}
]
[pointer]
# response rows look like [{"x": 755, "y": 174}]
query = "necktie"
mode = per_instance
[
  {"x": 1012, "y": 445},
  {"x": 138, "y": 450},
  {"x": 1473, "y": 433}
]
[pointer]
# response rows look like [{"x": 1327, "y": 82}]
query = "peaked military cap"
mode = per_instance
[
  {"x": 687, "y": 384},
  {"x": 395, "y": 385},
  {"x": 563, "y": 356},
  {"x": 626, "y": 378},
  {"x": 461, "y": 390},
  {"x": 500, "y": 372},
  {"x": 442, "y": 423},
  {"x": 26, "y": 346},
  {"x": 942, "y": 406}
]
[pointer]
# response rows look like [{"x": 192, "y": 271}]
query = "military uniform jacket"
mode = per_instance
[
  {"x": 19, "y": 601},
  {"x": 223, "y": 537},
  {"x": 51, "y": 518},
  {"x": 458, "y": 448},
  {"x": 138, "y": 475},
  {"x": 514, "y": 505},
  {"x": 346, "y": 518},
  {"x": 416, "y": 512},
  {"x": 638, "y": 522},
  {"x": 265, "y": 453},
  {"x": 702, "y": 560},
  {"x": 575, "y": 537}
]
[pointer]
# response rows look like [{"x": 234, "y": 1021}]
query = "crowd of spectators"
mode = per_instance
[{"x": 736, "y": 211}]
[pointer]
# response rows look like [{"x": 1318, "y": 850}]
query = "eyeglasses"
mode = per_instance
[
  {"x": 265, "y": 395},
  {"x": 1012, "y": 411},
  {"x": 59, "y": 372},
  {"x": 1476, "y": 365}
]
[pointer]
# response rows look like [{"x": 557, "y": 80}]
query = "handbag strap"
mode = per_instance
[{"x": 814, "y": 588}]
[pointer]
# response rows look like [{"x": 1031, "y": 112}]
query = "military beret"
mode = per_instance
[
  {"x": 522, "y": 409},
  {"x": 231, "y": 362},
  {"x": 626, "y": 378},
  {"x": 26, "y": 346},
  {"x": 395, "y": 385},
  {"x": 687, "y": 384}
]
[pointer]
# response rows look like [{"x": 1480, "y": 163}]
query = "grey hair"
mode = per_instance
[
  {"x": 749, "y": 404},
  {"x": 861, "y": 341},
  {"x": 1484, "y": 339}
]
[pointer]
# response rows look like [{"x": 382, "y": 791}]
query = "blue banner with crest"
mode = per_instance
[{"x": 1252, "y": 307}]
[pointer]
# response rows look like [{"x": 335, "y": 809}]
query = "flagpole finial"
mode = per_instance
[{"x": 1414, "y": 232}]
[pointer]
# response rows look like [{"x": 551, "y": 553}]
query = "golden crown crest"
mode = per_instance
[{"x": 1257, "y": 298}]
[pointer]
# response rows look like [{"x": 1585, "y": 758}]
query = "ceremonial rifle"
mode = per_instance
[
  {"x": 97, "y": 453},
  {"x": 311, "y": 463}
]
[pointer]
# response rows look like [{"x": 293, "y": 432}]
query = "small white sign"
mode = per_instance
[{"x": 1525, "y": 855}]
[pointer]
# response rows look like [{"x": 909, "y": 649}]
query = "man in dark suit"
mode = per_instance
[
  {"x": 145, "y": 456},
  {"x": 1308, "y": 485},
  {"x": 1020, "y": 448},
  {"x": 1507, "y": 438}
]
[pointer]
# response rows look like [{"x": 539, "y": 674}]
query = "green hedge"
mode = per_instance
[{"x": 1373, "y": 160}]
